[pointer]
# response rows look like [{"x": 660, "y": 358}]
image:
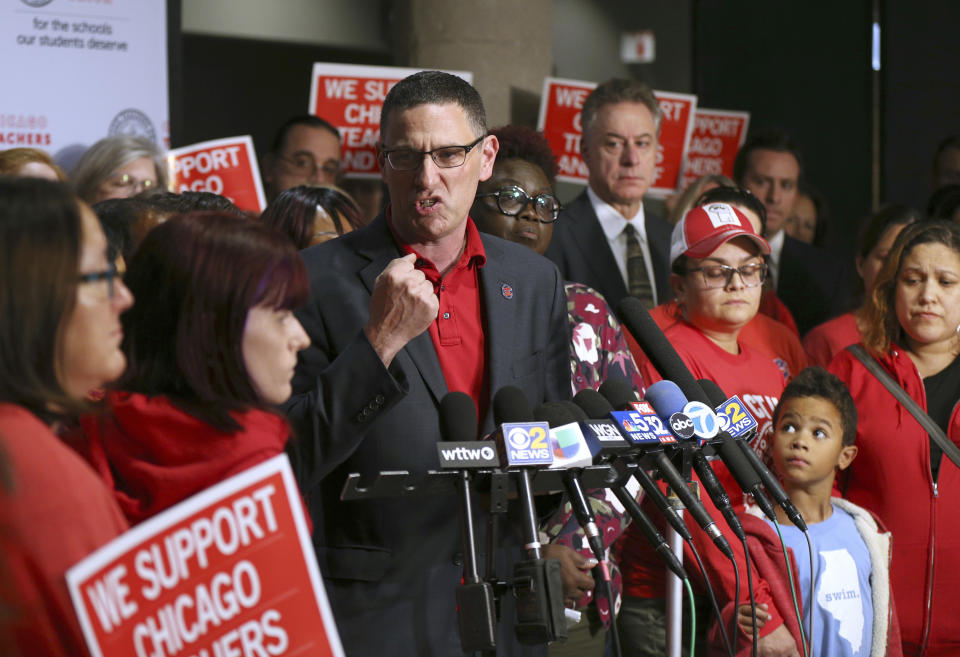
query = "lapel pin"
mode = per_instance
[{"x": 506, "y": 290}]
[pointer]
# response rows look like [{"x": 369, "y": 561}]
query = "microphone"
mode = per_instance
[
  {"x": 770, "y": 482},
  {"x": 599, "y": 445},
  {"x": 670, "y": 404},
  {"x": 476, "y": 606},
  {"x": 671, "y": 476},
  {"x": 537, "y": 583},
  {"x": 657, "y": 348},
  {"x": 571, "y": 454}
]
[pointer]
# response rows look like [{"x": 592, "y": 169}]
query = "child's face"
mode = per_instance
[{"x": 808, "y": 442}]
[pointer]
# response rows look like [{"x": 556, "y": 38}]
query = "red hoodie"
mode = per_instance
[
  {"x": 891, "y": 477},
  {"x": 154, "y": 455}
]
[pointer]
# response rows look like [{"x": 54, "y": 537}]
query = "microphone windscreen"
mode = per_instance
[
  {"x": 593, "y": 404},
  {"x": 666, "y": 398},
  {"x": 458, "y": 417},
  {"x": 618, "y": 392},
  {"x": 553, "y": 413},
  {"x": 713, "y": 392},
  {"x": 511, "y": 405},
  {"x": 576, "y": 410},
  {"x": 657, "y": 348}
]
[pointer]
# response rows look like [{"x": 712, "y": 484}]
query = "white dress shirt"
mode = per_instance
[
  {"x": 776, "y": 248},
  {"x": 613, "y": 224}
]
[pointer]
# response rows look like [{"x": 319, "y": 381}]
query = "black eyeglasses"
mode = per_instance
[
  {"x": 512, "y": 200},
  {"x": 108, "y": 275},
  {"x": 445, "y": 157},
  {"x": 718, "y": 276}
]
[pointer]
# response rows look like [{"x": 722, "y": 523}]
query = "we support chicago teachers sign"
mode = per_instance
[{"x": 229, "y": 572}]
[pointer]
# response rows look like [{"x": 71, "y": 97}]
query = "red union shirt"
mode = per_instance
[{"x": 457, "y": 333}]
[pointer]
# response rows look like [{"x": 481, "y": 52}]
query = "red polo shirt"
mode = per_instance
[{"x": 457, "y": 333}]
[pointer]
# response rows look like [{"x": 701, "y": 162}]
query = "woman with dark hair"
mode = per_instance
[
  {"x": 60, "y": 306},
  {"x": 312, "y": 214},
  {"x": 823, "y": 342},
  {"x": 911, "y": 328},
  {"x": 210, "y": 351}
]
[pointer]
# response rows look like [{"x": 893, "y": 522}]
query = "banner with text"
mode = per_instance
[
  {"x": 77, "y": 71},
  {"x": 717, "y": 136},
  {"x": 350, "y": 97},
  {"x": 560, "y": 107},
  {"x": 229, "y": 571},
  {"x": 223, "y": 166}
]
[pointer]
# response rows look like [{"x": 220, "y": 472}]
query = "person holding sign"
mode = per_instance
[
  {"x": 210, "y": 350},
  {"x": 606, "y": 238},
  {"x": 60, "y": 337},
  {"x": 411, "y": 306}
]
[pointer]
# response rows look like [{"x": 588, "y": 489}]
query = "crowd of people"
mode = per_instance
[{"x": 154, "y": 343}]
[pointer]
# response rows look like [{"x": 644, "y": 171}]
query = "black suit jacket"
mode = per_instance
[
  {"x": 812, "y": 283},
  {"x": 391, "y": 566},
  {"x": 581, "y": 251}
]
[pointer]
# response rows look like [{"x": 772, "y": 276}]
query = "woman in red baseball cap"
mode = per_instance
[{"x": 717, "y": 275}]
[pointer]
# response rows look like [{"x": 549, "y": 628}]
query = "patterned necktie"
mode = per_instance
[{"x": 638, "y": 281}]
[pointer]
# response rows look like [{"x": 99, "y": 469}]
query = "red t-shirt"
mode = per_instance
[
  {"x": 824, "y": 341},
  {"x": 758, "y": 381},
  {"x": 763, "y": 333},
  {"x": 457, "y": 333},
  {"x": 54, "y": 512}
]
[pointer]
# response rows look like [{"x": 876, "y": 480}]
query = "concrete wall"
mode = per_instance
[{"x": 353, "y": 24}]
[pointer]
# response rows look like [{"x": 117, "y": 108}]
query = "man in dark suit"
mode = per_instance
[
  {"x": 811, "y": 282},
  {"x": 402, "y": 311},
  {"x": 606, "y": 238}
]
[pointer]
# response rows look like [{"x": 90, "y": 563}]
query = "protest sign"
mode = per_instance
[
  {"x": 223, "y": 166},
  {"x": 350, "y": 97},
  {"x": 717, "y": 136},
  {"x": 228, "y": 572},
  {"x": 561, "y": 104}
]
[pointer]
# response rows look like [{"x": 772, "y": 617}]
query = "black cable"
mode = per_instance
[
  {"x": 614, "y": 634},
  {"x": 713, "y": 598},
  {"x": 813, "y": 585},
  {"x": 753, "y": 600},
  {"x": 736, "y": 604}
]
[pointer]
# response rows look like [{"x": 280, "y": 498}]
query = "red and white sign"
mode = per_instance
[
  {"x": 560, "y": 107},
  {"x": 350, "y": 97},
  {"x": 229, "y": 572},
  {"x": 223, "y": 166},
  {"x": 717, "y": 136}
]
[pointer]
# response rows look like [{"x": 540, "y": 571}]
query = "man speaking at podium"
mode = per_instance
[{"x": 412, "y": 306}]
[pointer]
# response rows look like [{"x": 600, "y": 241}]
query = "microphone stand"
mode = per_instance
[{"x": 674, "y": 586}]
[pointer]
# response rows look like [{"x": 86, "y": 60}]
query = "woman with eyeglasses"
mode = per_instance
[
  {"x": 60, "y": 337},
  {"x": 312, "y": 214},
  {"x": 517, "y": 203},
  {"x": 211, "y": 350},
  {"x": 717, "y": 276},
  {"x": 119, "y": 167}
]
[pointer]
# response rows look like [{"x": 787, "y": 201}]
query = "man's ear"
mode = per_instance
[
  {"x": 488, "y": 155},
  {"x": 846, "y": 456}
]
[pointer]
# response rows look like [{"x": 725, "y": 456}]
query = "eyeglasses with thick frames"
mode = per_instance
[
  {"x": 719, "y": 276},
  {"x": 108, "y": 275},
  {"x": 512, "y": 200},
  {"x": 445, "y": 157}
]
